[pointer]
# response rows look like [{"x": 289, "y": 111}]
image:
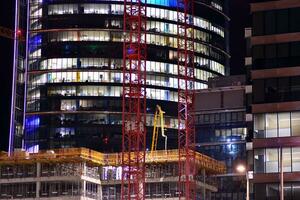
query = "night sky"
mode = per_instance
[
  {"x": 238, "y": 14},
  {"x": 6, "y": 49}
]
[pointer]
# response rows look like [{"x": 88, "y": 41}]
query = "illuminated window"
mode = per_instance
[
  {"x": 217, "y": 5},
  {"x": 117, "y": 9},
  {"x": 68, "y": 105},
  {"x": 271, "y": 125},
  {"x": 271, "y": 160}
]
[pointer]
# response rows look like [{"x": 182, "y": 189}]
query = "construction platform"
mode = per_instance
[{"x": 80, "y": 173}]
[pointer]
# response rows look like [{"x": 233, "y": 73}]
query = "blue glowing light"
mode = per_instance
[
  {"x": 33, "y": 148},
  {"x": 168, "y": 3},
  {"x": 35, "y": 42},
  {"x": 32, "y": 121},
  {"x": 130, "y": 51}
]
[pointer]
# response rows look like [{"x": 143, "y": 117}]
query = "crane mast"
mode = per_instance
[
  {"x": 186, "y": 129},
  {"x": 134, "y": 101}
]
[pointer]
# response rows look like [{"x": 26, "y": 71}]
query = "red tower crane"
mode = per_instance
[
  {"x": 186, "y": 129},
  {"x": 134, "y": 101}
]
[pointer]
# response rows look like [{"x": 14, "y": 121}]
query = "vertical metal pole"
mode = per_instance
[
  {"x": 247, "y": 186},
  {"x": 14, "y": 79},
  {"x": 26, "y": 68},
  {"x": 281, "y": 176}
]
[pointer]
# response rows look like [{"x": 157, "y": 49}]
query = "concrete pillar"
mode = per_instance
[
  {"x": 208, "y": 195},
  {"x": 38, "y": 182},
  {"x": 83, "y": 182},
  {"x": 99, "y": 192},
  {"x": 203, "y": 173},
  {"x": 84, "y": 169},
  {"x": 83, "y": 188}
]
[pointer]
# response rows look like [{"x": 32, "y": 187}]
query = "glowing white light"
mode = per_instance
[{"x": 241, "y": 168}]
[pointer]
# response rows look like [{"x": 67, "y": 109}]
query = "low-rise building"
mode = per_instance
[
  {"x": 221, "y": 130},
  {"x": 85, "y": 174}
]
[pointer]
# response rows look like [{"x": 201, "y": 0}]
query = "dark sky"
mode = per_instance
[
  {"x": 238, "y": 14},
  {"x": 6, "y": 49}
]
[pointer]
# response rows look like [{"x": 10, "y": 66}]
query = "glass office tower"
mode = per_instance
[{"x": 74, "y": 72}]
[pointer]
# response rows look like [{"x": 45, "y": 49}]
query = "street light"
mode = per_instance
[{"x": 242, "y": 169}]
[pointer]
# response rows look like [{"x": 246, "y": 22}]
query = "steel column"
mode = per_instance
[
  {"x": 134, "y": 101},
  {"x": 186, "y": 130}
]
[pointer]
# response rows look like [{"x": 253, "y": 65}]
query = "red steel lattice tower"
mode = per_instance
[
  {"x": 186, "y": 129},
  {"x": 134, "y": 101}
]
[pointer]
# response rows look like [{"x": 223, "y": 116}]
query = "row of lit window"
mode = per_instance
[
  {"x": 36, "y": 54},
  {"x": 170, "y": 54},
  {"x": 117, "y": 9},
  {"x": 117, "y": 37},
  {"x": 168, "y": 3},
  {"x": 105, "y": 91},
  {"x": 36, "y": 12},
  {"x": 164, "y": 27},
  {"x": 267, "y": 160},
  {"x": 101, "y": 76},
  {"x": 73, "y": 105},
  {"x": 115, "y": 173},
  {"x": 105, "y": 118},
  {"x": 111, "y": 91},
  {"x": 216, "y": 5},
  {"x": 104, "y": 77},
  {"x": 233, "y": 132},
  {"x": 283, "y": 124},
  {"x": 111, "y": 118},
  {"x": 36, "y": 40},
  {"x": 105, "y": 63},
  {"x": 157, "y": 27},
  {"x": 152, "y": 26}
]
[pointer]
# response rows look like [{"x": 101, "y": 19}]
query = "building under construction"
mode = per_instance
[
  {"x": 80, "y": 88},
  {"x": 80, "y": 173}
]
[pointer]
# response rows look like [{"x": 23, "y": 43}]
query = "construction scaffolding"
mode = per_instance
[{"x": 80, "y": 173}]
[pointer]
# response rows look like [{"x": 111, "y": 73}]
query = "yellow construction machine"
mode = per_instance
[{"x": 158, "y": 123}]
